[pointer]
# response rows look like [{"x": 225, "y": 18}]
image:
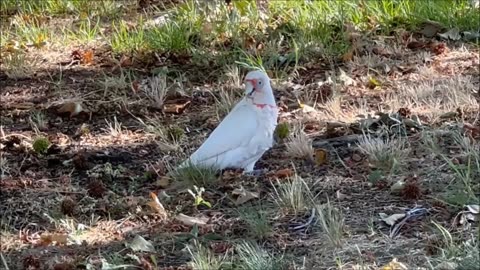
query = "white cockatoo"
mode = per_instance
[{"x": 246, "y": 133}]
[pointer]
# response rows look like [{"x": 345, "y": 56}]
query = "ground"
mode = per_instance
[{"x": 376, "y": 158}]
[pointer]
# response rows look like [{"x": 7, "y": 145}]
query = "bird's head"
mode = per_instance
[{"x": 256, "y": 82}]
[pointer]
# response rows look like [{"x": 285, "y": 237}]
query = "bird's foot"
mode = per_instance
[{"x": 255, "y": 173}]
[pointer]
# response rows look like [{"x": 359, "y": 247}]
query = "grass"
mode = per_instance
[
  {"x": 157, "y": 90},
  {"x": 225, "y": 102},
  {"x": 61, "y": 7},
  {"x": 253, "y": 257},
  {"x": 463, "y": 254},
  {"x": 257, "y": 221},
  {"x": 38, "y": 122},
  {"x": 299, "y": 145},
  {"x": 126, "y": 39},
  {"x": 88, "y": 30},
  {"x": 331, "y": 222},
  {"x": 167, "y": 139},
  {"x": 195, "y": 175},
  {"x": 117, "y": 83},
  {"x": 19, "y": 65},
  {"x": 292, "y": 195},
  {"x": 386, "y": 155},
  {"x": 464, "y": 189},
  {"x": 202, "y": 258},
  {"x": 436, "y": 97}
]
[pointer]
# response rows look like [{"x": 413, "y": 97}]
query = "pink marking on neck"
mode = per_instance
[{"x": 261, "y": 106}]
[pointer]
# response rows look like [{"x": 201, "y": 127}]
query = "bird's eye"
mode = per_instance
[{"x": 260, "y": 82}]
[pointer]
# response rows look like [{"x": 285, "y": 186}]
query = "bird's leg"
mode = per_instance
[{"x": 255, "y": 173}]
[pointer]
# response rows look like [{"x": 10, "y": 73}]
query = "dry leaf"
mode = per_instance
[
  {"x": 392, "y": 219},
  {"x": 345, "y": 79},
  {"x": 59, "y": 239},
  {"x": 207, "y": 27},
  {"x": 453, "y": 34},
  {"x": 176, "y": 108},
  {"x": 397, "y": 187},
  {"x": 373, "y": 83},
  {"x": 394, "y": 265},
  {"x": 306, "y": 109},
  {"x": 163, "y": 182},
  {"x": 473, "y": 208},
  {"x": 135, "y": 87},
  {"x": 73, "y": 108},
  {"x": 356, "y": 157},
  {"x": 125, "y": 61},
  {"x": 341, "y": 196},
  {"x": 87, "y": 57},
  {"x": 348, "y": 56},
  {"x": 190, "y": 221},
  {"x": 140, "y": 244},
  {"x": 270, "y": 73},
  {"x": 320, "y": 156},
  {"x": 157, "y": 206},
  {"x": 430, "y": 29},
  {"x": 415, "y": 45},
  {"x": 449, "y": 115},
  {"x": 284, "y": 173},
  {"x": 244, "y": 195},
  {"x": 22, "y": 106}
]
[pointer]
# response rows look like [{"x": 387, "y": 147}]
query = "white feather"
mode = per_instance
[{"x": 240, "y": 139}]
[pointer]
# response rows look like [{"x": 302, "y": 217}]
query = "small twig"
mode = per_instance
[
  {"x": 16, "y": 134},
  {"x": 4, "y": 261},
  {"x": 350, "y": 172},
  {"x": 338, "y": 140},
  {"x": 309, "y": 221}
]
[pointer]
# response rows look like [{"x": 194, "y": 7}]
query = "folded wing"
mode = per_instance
[{"x": 231, "y": 138}]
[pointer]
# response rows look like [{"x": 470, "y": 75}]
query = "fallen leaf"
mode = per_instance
[
  {"x": 449, "y": 115},
  {"x": 59, "y": 239},
  {"x": 473, "y": 208},
  {"x": 175, "y": 108},
  {"x": 452, "y": 34},
  {"x": 190, "y": 221},
  {"x": 373, "y": 83},
  {"x": 392, "y": 219},
  {"x": 270, "y": 73},
  {"x": 356, "y": 157},
  {"x": 348, "y": 56},
  {"x": 284, "y": 173},
  {"x": 140, "y": 244},
  {"x": 244, "y": 195},
  {"x": 87, "y": 57},
  {"x": 438, "y": 47},
  {"x": 415, "y": 45},
  {"x": 394, "y": 265},
  {"x": 163, "y": 182},
  {"x": 320, "y": 156},
  {"x": 22, "y": 106},
  {"x": 381, "y": 51},
  {"x": 72, "y": 108},
  {"x": 157, "y": 206},
  {"x": 345, "y": 79},
  {"x": 341, "y": 196},
  {"x": 397, "y": 187},
  {"x": 125, "y": 61},
  {"x": 135, "y": 87},
  {"x": 430, "y": 29}
]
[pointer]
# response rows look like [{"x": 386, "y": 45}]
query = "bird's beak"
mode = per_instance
[{"x": 249, "y": 86}]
